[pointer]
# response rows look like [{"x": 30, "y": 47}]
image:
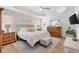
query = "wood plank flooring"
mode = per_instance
[
  {"x": 60, "y": 47},
  {"x": 9, "y": 48}
]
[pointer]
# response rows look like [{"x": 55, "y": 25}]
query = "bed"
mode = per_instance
[{"x": 32, "y": 37}]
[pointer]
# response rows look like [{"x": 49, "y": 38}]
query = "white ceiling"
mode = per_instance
[{"x": 35, "y": 10}]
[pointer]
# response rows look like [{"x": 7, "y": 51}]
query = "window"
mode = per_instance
[{"x": 55, "y": 23}]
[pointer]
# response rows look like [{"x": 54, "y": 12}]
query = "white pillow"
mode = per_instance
[
  {"x": 30, "y": 29},
  {"x": 23, "y": 29},
  {"x": 33, "y": 29}
]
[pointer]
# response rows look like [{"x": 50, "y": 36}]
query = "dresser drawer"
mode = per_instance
[
  {"x": 4, "y": 37},
  {"x": 54, "y": 31},
  {"x": 0, "y": 39},
  {"x": 8, "y": 37},
  {"x": 11, "y": 35}
]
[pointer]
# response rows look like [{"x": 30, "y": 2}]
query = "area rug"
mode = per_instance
[{"x": 23, "y": 47}]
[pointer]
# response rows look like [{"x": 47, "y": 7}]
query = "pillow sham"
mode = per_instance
[{"x": 23, "y": 29}]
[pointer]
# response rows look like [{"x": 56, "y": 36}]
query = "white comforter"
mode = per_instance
[{"x": 32, "y": 37}]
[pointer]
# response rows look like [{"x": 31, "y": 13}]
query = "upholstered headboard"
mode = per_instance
[{"x": 24, "y": 26}]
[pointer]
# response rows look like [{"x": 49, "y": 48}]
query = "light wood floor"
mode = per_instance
[
  {"x": 60, "y": 47},
  {"x": 9, "y": 48}
]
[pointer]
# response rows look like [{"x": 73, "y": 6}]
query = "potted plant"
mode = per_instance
[{"x": 72, "y": 32}]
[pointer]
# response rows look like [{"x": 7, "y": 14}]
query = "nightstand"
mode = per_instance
[
  {"x": 8, "y": 38},
  {"x": 0, "y": 42}
]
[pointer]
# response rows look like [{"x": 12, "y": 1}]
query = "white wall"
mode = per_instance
[
  {"x": 64, "y": 18},
  {"x": 77, "y": 25},
  {"x": 13, "y": 20},
  {"x": 25, "y": 20},
  {"x": 36, "y": 23},
  {"x": 45, "y": 23},
  {"x": 6, "y": 19},
  {"x": 16, "y": 20}
]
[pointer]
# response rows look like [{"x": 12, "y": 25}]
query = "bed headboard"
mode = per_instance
[{"x": 24, "y": 25}]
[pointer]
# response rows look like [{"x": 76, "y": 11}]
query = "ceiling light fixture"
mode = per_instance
[
  {"x": 44, "y": 8},
  {"x": 41, "y": 9}
]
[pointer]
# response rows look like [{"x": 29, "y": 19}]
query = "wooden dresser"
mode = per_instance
[
  {"x": 8, "y": 38},
  {"x": 55, "y": 31},
  {"x": 0, "y": 42},
  {"x": 1, "y": 9}
]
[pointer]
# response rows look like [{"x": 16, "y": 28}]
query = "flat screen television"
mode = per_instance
[{"x": 73, "y": 19}]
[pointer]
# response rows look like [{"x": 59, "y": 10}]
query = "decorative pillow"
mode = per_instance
[
  {"x": 28, "y": 29},
  {"x": 23, "y": 29},
  {"x": 31, "y": 29}
]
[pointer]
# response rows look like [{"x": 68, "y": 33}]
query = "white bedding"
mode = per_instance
[{"x": 32, "y": 37}]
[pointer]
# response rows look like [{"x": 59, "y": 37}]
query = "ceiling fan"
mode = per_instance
[{"x": 43, "y": 9}]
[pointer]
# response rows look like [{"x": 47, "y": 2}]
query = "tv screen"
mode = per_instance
[{"x": 73, "y": 19}]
